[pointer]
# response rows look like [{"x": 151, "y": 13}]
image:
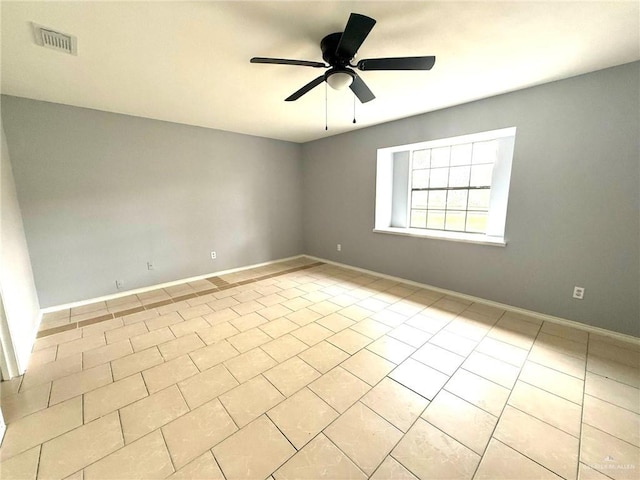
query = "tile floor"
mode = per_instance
[{"x": 301, "y": 370}]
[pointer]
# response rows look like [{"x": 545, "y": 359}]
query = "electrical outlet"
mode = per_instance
[
  {"x": 214, "y": 255},
  {"x": 339, "y": 247},
  {"x": 119, "y": 284},
  {"x": 150, "y": 266},
  {"x": 578, "y": 292}
]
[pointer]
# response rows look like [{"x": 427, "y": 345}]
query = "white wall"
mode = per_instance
[{"x": 16, "y": 277}]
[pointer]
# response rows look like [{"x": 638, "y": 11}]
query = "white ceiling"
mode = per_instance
[{"x": 188, "y": 62}]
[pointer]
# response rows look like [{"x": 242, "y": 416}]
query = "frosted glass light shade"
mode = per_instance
[{"x": 339, "y": 80}]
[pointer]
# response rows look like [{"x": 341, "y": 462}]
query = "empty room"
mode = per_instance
[{"x": 320, "y": 240}]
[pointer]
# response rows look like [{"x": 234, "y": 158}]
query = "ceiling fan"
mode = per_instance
[{"x": 338, "y": 50}]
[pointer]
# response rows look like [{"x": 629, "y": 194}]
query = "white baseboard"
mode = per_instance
[
  {"x": 471, "y": 298},
  {"x": 491, "y": 303},
  {"x": 164, "y": 285},
  {"x": 34, "y": 335}
]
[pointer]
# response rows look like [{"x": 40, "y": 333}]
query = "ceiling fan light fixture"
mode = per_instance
[{"x": 340, "y": 80}]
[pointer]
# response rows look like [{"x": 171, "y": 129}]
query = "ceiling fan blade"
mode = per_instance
[
  {"x": 284, "y": 61},
  {"x": 360, "y": 89},
  {"x": 357, "y": 29},
  {"x": 312, "y": 84},
  {"x": 398, "y": 63}
]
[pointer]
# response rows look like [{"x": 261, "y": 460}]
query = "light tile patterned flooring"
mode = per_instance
[{"x": 321, "y": 372}]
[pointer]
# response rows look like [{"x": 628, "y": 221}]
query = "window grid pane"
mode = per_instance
[{"x": 450, "y": 190}]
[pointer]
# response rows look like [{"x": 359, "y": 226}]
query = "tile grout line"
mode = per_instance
[
  {"x": 544, "y": 421},
  {"x": 614, "y": 436},
  {"x": 229, "y": 415},
  {"x": 340, "y": 450},
  {"x": 413, "y": 424},
  {"x": 584, "y": 387},
  {"x": 528, "y": 458},
  {"x": 111, "y": 453},
  {"x": 382, "y": 418},
  {"x": 217, "y": 462},
  {"x": 266, "y": 414},
  {"x": 611, "y": 404},
  {"x": 559, "y": 371},
  {"x": 144, "y": 382},
  {"x": 49, "y": 397},
  {"x": 164, "y": 440},
  {"x": 507, "y": 404},
  {"x": 460, "y": 367},
  {"x": 39, "y": 458}
]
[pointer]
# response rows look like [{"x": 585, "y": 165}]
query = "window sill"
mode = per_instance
[{"x": 450, "y": 236}]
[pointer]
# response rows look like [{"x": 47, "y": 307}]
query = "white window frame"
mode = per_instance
[{"x": 386, "y": 219}]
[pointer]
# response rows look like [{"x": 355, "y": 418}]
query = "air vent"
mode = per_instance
[{"x": 62, "y": 42}]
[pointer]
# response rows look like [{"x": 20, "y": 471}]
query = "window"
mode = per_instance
[{"x": 455, "y": 188}]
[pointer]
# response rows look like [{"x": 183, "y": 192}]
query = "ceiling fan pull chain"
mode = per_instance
[
  {"x": 326, "y": 108},
  {"x": 354, "y": 108}
]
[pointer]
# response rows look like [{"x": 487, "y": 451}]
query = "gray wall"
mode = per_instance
[
  {"x": 102, "y": 194},
  {"x": 17, "y": 287},
  {"x": 573, "y": 215}
]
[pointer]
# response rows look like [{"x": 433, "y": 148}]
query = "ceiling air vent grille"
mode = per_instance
[{"x": 62, "y": 42}]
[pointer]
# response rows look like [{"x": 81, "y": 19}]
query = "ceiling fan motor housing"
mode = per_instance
[{"x": 329, "y": 47}]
